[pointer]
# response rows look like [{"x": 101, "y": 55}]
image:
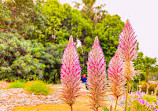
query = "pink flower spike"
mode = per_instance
[
  {"x": 115, "y": 75},
  {"x": 128, "y": 43},
  {"x": 70, "y": 74},
  {"x": 96, "y": 67},
  {"x": 127, "y": 50}
]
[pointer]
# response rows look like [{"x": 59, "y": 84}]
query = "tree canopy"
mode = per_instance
[
  {"x": 145, "y": 64},
  {"x": 39, "y": 32}
]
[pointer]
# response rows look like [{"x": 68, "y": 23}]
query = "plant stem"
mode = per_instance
[
  {"x": 127, "y": 95},
  {"x": 116, "y": 104},
  {"x": 71, "y": 108}
]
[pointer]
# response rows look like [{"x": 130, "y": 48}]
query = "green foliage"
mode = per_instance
[
  {"x": 23, "y": 17},
  {"x": 38, "y": 88},
  {"x": 33, "y": 37},
  {"x": 106, "y": 109},
  {"x": 52, "y": 70},
  {"x": 142, "y": 102},
  {"x": 108, "y": 33},
  {"x": 89, "y": 10},
  {"x": 21, "y": 59},
  {"x": 17, "y": 84},
  {"x": 145, "y": 64},
  {"x": 15, "y": 57},
  {"x": 149, "y": 98},
  {"x": 65, "y": 21}
]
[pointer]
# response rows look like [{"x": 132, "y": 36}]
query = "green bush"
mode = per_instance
[
  {"x": 142, "y": 102},
  {"x": 106, "y": 109},
  {"x": 23, "y": 59},
  {"x": 17, "y": 84},
  {"x": 38, "y": 88}
]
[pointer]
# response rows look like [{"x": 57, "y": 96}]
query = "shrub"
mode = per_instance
[
  {"x": 23, "y": 59},
  {"x": 106, "y": 109},
  {"x": 17, "y": 84},
  {"x": 144, "y": 85},
  {"x": 37, "y": 87},
  {"x": 152, "y": 88},
  {"x": 142, "y": 102}
]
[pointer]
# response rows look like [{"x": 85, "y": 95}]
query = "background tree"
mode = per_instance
[
  {"x": 46, "y": 27},
  {"x": 20, "y": 58},
  {"x": 95, "y": 13},
  {"x": 108, "y": 32},
  {"x": 145, "y": 64}
]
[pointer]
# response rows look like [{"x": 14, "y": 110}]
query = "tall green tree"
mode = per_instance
[
  {"x": 24, "y": 17},
  {"x": 45, "y": 26},
  {"x": 95, "y": 13},
  {"x": 145, "y": 64},
  {"x": 108, "y": 33}
]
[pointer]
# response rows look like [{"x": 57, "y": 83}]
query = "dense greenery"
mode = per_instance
[
  {"x": 146, "y": 65},
  {"x": 24, "y": 59},
  {"x": 33, "y": 36}
]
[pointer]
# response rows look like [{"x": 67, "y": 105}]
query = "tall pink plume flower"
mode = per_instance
[
  {"x": 96, "y": 75},
  {"x": 115, "y": 75},
  {"x": 127, "y": 49},
  {"x": 70, "y": 74}
]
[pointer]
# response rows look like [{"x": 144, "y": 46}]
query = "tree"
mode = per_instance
[
  {"x": 108, "y": 32},
  {"x": 51, "y": 22},
  {"x": 95, "y": 13},
  {"x": 20, "y": 58},
  {"x": 145, "y": 64}
]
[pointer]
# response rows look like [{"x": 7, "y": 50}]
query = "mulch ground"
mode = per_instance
[{"x": 17, "y": 99}]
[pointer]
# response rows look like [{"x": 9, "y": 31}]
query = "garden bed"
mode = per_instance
[{"x": 20, "y": 100}]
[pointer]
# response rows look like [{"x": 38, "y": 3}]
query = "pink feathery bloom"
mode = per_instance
[
  {"x": 128, "y": 43},
  {"x": 115, "y": 75},
  {"x": 70, "y": 74},
  {"x": 96, "y": 75},
  {"x": 127, "y": 49}
]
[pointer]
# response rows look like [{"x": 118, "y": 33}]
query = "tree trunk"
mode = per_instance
[{"x": 147, "y": 78}]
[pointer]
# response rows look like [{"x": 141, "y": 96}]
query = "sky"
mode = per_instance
[{"x": 143, "y": 16}]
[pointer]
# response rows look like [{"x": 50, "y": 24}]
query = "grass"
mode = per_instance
[
  {"x": 17, "y": 84},
  {"x": 38, "y": 87}
]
